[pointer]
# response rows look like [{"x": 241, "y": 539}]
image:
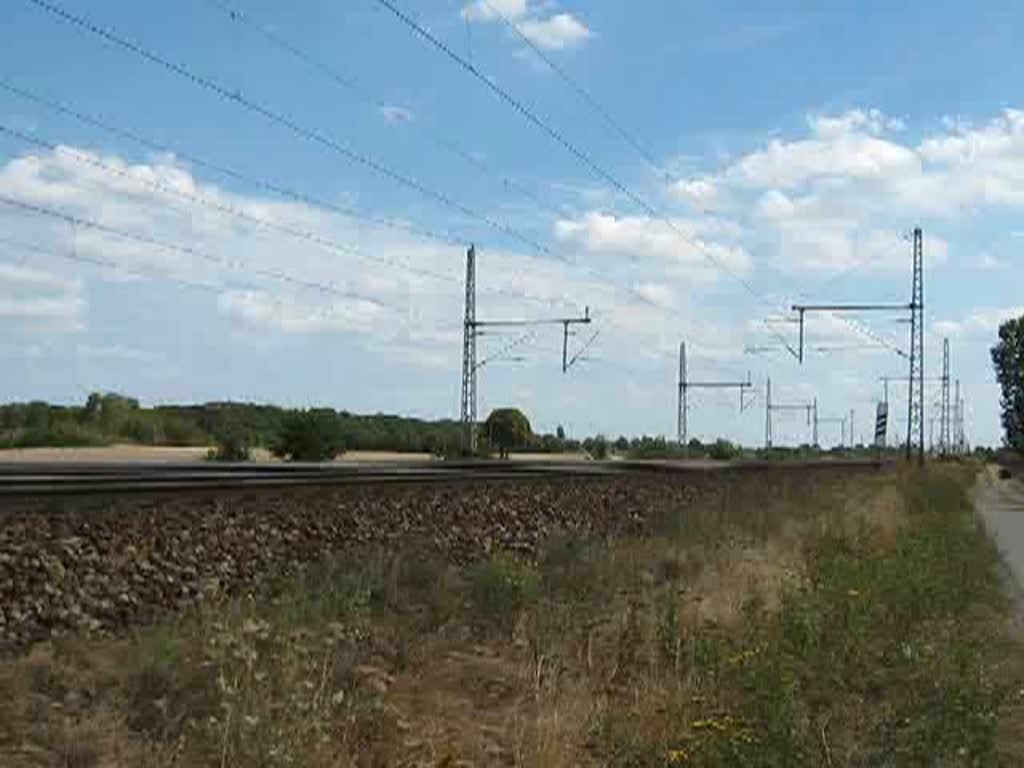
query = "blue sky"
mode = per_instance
[{"x": 795, "y": 144}]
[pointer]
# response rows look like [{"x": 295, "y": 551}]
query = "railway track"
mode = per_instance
[{"x": 66, "y": 478}]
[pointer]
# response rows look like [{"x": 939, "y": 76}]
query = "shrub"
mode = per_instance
[
  {"x": 597, "y": 447},
  {"x": 500, "y": 588},
  {"x": 231, "y": 447},
  {"x": 723, "y": 450},
  {"x": 310, "y": 436}
]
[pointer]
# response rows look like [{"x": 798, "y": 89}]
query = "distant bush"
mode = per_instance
[
  {"x": 59, "y": 434},
  {"x": 230, "y": 447},
  {"x": 500, "y": 588},
  {"x": 597, "y": 447},
  {"x": 310, "y": 436},
  {"x": 654, "y": 448},
  {"x": 723, "y": 450}
]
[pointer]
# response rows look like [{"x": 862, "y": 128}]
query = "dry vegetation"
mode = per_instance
[{"x": 852, "y": 624}]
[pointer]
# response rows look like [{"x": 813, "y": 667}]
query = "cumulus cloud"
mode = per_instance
[
  {"x": 487, "y": 10},
  {"x": 825, "y": 197},
  {"x": 402, "y": 294},
  {"x": 686, "y": 248},
  {"x": 293, "y": 316},
  {"x": 37, "y": 300},
  {"x": 981, "y": 323},
  {"x": 699, "y": 193},
  {"x": 840, "y": 147},
  {"x": 553, "y": 32}
]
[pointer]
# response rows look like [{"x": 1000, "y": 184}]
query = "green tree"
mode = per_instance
[
  {"x": 508, "y": 428},
  {"x": 313, "y": 435},
  {"x": 1008, "y": 359},
  {"x": 723, "y": 450},
  {"x": 597, "y": 447}
]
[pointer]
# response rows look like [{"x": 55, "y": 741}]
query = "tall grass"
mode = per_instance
[{"x": 779, "y": 624}]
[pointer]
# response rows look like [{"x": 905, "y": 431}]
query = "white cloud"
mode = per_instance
[
  {"x": 29, "y": 279},
  {"x": 66, "y": 314},
  {"x": 685, "y": 249},
  {"x": 986, "y": 261},
  {"x": 396, "y": 114},
  {"x": 555, "y": 32},
  {"x": 981, "y": 323},
  {"x": 700, "y": 193},
  {"x": 658, "y": 294},
  {"x": 487, "y": 10},
  {"x": 112, "y": 353},
  {"x": 293, "y": 316},
  {"x": 387, "y": 299},
  {"x": 826, "y": 196},
  {"x": 842, "y": 147},
  {"x": 33, "y": 300},
  {"x": 871, "y": 120},
  {"x": 849, "y": 162}
]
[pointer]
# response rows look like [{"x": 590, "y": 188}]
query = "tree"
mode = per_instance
[
  {"x": 597, "y": 447},
  {"x": 560, "y": 433},
  {"x": 508, "y": 428},
  {"x": 310, "y": 436},
  {"x": 234, "y": 440},
  {"x": 1008, "y": 359},
  {"x": 723, "y": 450}
]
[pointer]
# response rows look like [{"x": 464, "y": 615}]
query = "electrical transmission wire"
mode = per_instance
[
  {"x": 117, "y": 267},
  {"x": 284, "y": 121},
  {"x": 318, "y": 138},
  {"x": 85, "y": 223},
  {"x": 225, "y": 209},
  {"x": 352, "y": 85},
  {"x": 555, "y": 135},
  {"x": 217, "y": 167},
  {"x": 223, "y": 170},
  {"x": 214, "y": 288},
  {"x": 214, "y": 205},
  {"x": 580, "y": 91}
]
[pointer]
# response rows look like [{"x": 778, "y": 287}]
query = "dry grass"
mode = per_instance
[{"x": 852, "y": 625}]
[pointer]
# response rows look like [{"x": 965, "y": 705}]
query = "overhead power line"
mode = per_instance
[
  {"x": 555, "y": 135},
  {"x": 284, "y": 121},
  {"x": 214, "y": 205},
  {"x": 578, "y": 88},
  {"x": 92, "y": 120},
  {"x": 223, "y": 170},
  {"x": 225, "y": 209},
  {"x": 216, "y": 288},
  {"x": 85, "y": 223},
  {"x": 352, "y": 85},
  {"x": 72, "y": 255}
]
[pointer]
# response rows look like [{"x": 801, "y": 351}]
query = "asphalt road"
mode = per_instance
[
  {"x": 55, "y": 478},
  {"x": 1001, "y": 503}
]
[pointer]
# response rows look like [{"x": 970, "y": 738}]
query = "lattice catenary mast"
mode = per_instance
[
  {"x": 471, "y": 329},
  {"x": 685, "y": 384}
]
